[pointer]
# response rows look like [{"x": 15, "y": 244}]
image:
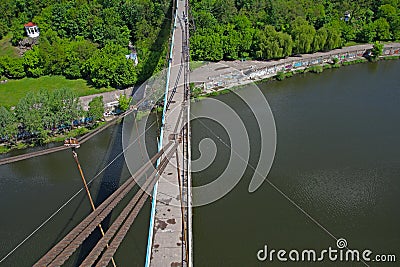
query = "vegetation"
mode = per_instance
[
  {"x": 316, "y": 69},
  {"x": 377, "y": 51},
  {"x": 267, "y": 29},
  {"x": 37, "y": 114},
  {"x": 13, "y": 90},
  {"x": 6, "y": 48},
  {"x": 86, "y": 39},
  {"x": 46, "y": 116},
  {"x": 96, "y": 108},
  {"x": 124, "y": 102}
]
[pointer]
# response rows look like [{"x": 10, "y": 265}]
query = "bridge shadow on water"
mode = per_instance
[{"x": 109, "y": 182}]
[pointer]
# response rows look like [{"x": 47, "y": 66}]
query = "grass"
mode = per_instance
[
  {"x": 12, "y": 91},
  {"x": 5, "y": 149},
  {"x": 390, "y": 57},
  {"x": 6, "y": 48},
  {"x": 352, "y": 62},
  {"x": 351, "y": 43},
  {"x": 196, "y": 64}
]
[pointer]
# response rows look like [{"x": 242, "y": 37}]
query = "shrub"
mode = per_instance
[
  {"x": 316, "y": 69},
  {"x": 12, "y": 67},
  {"x": 289, "y": 74},
  {"x": 280, "y": 76}
]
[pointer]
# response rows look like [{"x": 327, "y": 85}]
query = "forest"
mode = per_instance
[
  {"x": 87, "y": 39},
  {"x": 269, "y": 29}
]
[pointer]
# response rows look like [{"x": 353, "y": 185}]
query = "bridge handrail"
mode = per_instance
[
  {"x": 98, "y": 215},
  {"x": 130, "y": 211}
]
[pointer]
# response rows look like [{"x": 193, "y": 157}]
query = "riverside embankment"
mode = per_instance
[{"x": 216, "y": 76}]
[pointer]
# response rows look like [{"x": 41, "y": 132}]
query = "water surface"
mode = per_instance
[{"x": 337, "y": 160}]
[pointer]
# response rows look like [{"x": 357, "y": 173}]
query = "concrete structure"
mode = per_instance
[{"x": 226, "y": 74}]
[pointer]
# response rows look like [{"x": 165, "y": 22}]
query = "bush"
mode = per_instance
[
  {"x": 280, "y": 76},
  {"x": 12, "y": 67},
  {"x": 316, "y": 69},
  {"x": 289, "y": 74},
  {"x": 124, "y": 102}
]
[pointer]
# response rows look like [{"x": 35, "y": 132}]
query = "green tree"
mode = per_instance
[
  {"x": 33, "y": 62},
  {"x": 269, "y": 44},
  {"x": 382, "y": 29},
  {"x": 30, "y": 112},
  {"x": 334, "y": 39},
  {"x": 303, "y": 35},
  {"x": 12, "y": 67},
  {"x": 390, "y": 10},
  {"x": 96, "y": 108},
  {"x": 231, "y": 42},
  {"x": 109, "y": 67},
  {"x": 8, "y": 124},
  {"x": 377, "y": 51},
  {"x": 206, "y": 45},
  {"x": 367, "y": 33},
  {"x": 64, "y": 106},
  {"x": 124, "y": 102},
  {"x": 320, "y": 39}
]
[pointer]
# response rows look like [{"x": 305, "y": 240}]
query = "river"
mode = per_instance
[
  {"x": 33, "y": 189},
  {"x": 337, "y": 158}
]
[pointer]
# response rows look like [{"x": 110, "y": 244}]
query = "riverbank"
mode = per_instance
[
  {"x": 77, "y": 132},
  {"x": 217, "y": 78}
]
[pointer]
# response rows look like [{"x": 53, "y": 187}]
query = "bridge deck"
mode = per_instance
[{"x": 168, "y": 244}]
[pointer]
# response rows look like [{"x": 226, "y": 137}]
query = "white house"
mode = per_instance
[{"x": 31, "y": 29}]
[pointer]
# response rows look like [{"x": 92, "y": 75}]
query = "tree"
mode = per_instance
[
  {"x": 231, "y": 42},
  {"x": 96, "y": 108},
  {"x": 382, "y": 29},
  {"x": 8, "y": 124},
  {"x": 64, "y": 106},
  {"x": 206, "y": 45},
  {"x": 334, "y": 39},
  {"x": 33, "y": 62},
  {"x": 377, "y": 51},
  {"x": 269, "y": 43},
  {"x": 392, "y": 15},
  {"x": 109, "y": 67},
  {"x": 367, "y": 33},
  {"x": 303, "y": 35},
  {"x": 30, "y": 112},
  {"x": 12, "y": 67},
  {"x": 320, "y": 39},
  {"x": 124, "y": 102}
]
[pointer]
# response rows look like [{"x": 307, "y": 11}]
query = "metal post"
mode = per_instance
[{"x": 89, "y": 195}]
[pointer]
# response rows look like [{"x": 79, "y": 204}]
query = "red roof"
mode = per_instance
[{"x": 29, "y": 24}]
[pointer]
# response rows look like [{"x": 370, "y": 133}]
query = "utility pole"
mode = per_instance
[{"x": 73, "y": 143}]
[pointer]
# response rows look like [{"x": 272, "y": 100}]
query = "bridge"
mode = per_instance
[{"x": 170, "y": 229}]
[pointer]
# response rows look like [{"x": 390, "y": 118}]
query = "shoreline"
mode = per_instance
[
  {"x": 224, "y": 76},
  {"x": 227, "y": 76}
]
